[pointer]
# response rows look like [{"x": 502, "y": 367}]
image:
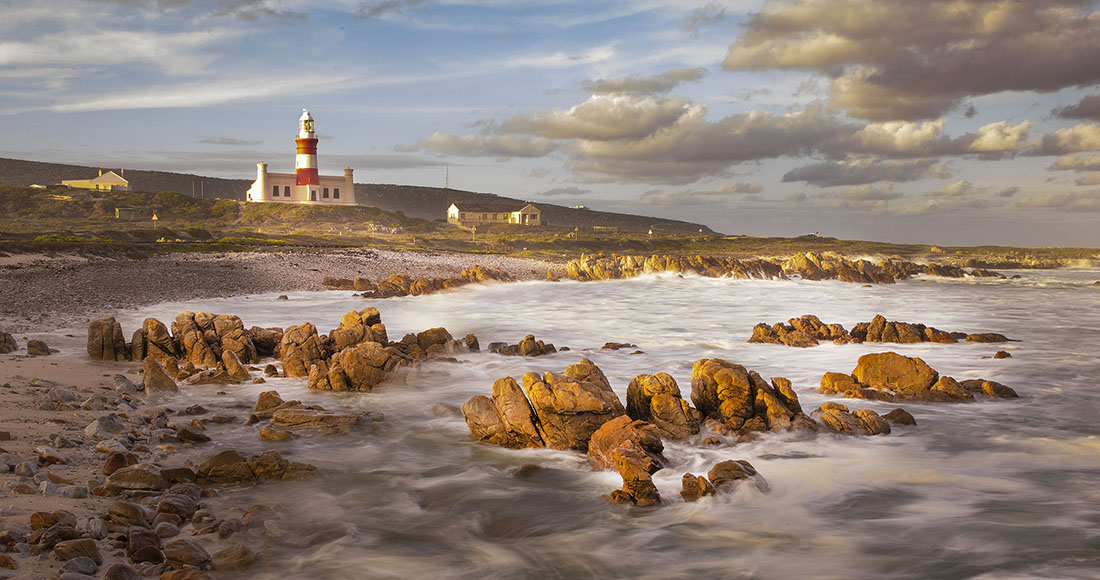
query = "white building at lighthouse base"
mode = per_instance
[{"x": 284, "y": 188}]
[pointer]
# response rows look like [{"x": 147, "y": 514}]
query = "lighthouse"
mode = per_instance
[
  {"x": 305, "y": 185},
  {"x": 305, "y": 163}
]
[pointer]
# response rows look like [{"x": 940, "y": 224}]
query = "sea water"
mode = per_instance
[{"x": 989, "y": 489}]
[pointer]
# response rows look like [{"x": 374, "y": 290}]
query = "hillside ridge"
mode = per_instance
[{"x": 412, "y": 200}]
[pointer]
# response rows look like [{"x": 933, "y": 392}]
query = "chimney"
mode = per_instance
[
  {"x": 122, "y": 173},
  {"x": 100, "y": 172}
]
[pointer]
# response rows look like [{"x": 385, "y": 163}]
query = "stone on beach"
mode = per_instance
[
  {"x": 106, "y": 341},
  {"x": 156, "y": 379}
]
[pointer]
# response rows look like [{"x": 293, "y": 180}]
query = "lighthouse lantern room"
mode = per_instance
[{"x": 305, "y": 185}]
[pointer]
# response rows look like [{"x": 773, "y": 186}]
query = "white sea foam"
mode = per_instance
[{"x": 984, "y": 490}]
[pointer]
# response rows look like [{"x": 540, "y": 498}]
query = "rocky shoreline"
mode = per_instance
[{"x": 67, "y": 291}]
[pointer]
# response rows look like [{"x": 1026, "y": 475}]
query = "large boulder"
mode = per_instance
[
  {"x": 741, "y": 400},
  {"x": 572, "y": 406},
  {"x": 300, "y": 349},
  {"x": 506, "y": 419},
  {"x": 623, "y": 431},
  {"x": 306, "y": 418},
  {"x": 156, "y": 378},
  {"x": 889, "y": 371},
  {"x": 656, "y": 399},
  {"x": 359, "y": 368},
  {"x": 105, "y": 340}
]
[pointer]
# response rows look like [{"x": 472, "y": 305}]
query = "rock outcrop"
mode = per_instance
[
  {"x": 808, "y": 330},
  {"x": 656, "y": 399},
  {"x": 889, "y": 376},
  {"x": 742, "y": 401},
  {"x": 359, "y": 368},
  {"x": 356, "y": 327},
  {"x": 838, "y": 418},
  {"x": 203, "y": 336},
  {"x": 402, "y": 285},
  {"x": 528, "y": 346},
  {"x": 555, "y": 411},
  {"x": 808, "y": 266},
  {"x": 154, "y": 340},
  {"x": 105, "y": 340},
  {"x": 301, "y": 348}
]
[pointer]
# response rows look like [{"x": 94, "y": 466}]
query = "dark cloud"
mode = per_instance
[
  {"x": 230, "y": 141},
  {"x": 712, "y": 12},
  {"x": 253, "y": 10},
  {"x": 1087, "y": 108},
  {"x": 866, "y": 170},
  {"x": 725, "y": 195},
  {"x": 569, "y": 191},
  {"x": 657, "y": 84},
  {"x": 1090, "y": 179},
  {"x": 1008, "y": 192},
  {"x": 899, "y": 59},
  {"x": 380, "y": 8}
]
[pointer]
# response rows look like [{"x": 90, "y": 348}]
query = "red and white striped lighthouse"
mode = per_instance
[{"x": 305, "y": 162}]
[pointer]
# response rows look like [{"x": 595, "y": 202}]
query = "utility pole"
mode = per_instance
[{"x": 447, "y": 177}]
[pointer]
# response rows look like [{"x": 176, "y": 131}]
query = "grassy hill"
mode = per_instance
[
  {"x": 429, "y": 203},
  {"x": 432, "y": 203}
]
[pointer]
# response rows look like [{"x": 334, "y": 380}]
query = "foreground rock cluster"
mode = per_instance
[
  {"x": 578, "y": 410},
  {"x": 402, "y": 285},
  {"x": 808, "y": 330},
  {"x": 809, "y": 266},
  {"x": 889, "y": 376},
  {"x": 217, "y": 348}
]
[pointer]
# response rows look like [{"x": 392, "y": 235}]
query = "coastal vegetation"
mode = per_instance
[{"x": 59, "y": 219}]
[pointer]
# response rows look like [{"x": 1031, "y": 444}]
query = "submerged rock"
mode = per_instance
[{"x": 656, "y": 399}]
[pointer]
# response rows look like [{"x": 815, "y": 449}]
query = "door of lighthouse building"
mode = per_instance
[{"x": 313, "y": 195}]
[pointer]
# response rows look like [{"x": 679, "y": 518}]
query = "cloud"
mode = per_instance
[
  {"x": 1087, "y": 108},
  {"x": 722, "y": 195},
  {"x": 900, "y": 139},
  {"x": 230, "y": 141},
  {"x": 499, "y": 146},
  {"x": 570, "y": 191},
  {"x": 957, "y": 189},
  {"x": 174, "y": 52},
  {"x": 202, "y": 94},
  {"x": 692, "y": 147},
  {"x": 602, "y": 117},
  {"x": 862, "y": 197},
  {"x": 1076, "y": 162},
  {"x": 657, "y": 84},
  {"x": 1063, "y": 201},
  {"x": 712, "y": 12},
  {"x": 938, "y": 206},
  {"x": 1090, "y": 179},
  {"x": 1000, "y": 136},
  {"x": 865, "y": 170},
  {"x": 252, "y": 10},
  {"x": 561, "y": 59},
  {"x": 379, "y": 9},
  {"x": 1071, "y": 140},
  {"x": 1008, "y": 192},
  {"x": 898, "y": 59}
]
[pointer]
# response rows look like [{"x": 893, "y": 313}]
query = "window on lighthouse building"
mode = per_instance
[{"x": 336, "y": 193}]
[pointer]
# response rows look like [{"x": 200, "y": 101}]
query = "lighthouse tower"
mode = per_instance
[
  {"x": 305, "y": 185},
  {"x": 305, "y": 163}
]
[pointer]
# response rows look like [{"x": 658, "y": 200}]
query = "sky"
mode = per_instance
[{"x": 961, "y": 122}]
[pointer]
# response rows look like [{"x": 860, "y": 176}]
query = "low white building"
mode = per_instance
[
  {"x": 474, "y": 214},
  {"x": 305, "y": 185}
]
